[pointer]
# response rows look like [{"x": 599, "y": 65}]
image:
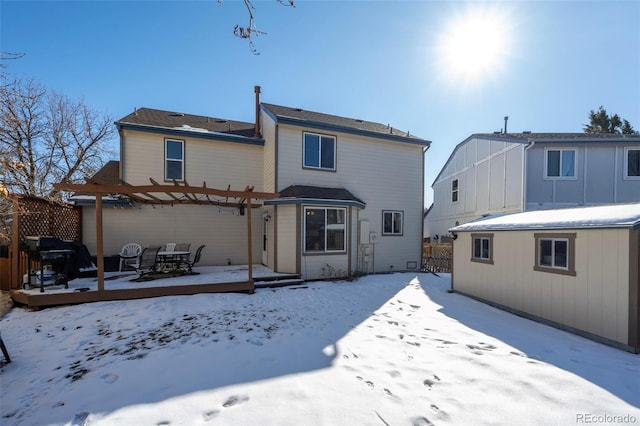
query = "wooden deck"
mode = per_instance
[{"x": 123, "y": 286}]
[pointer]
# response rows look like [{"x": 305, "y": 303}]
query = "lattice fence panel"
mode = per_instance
[
  {"x": 42, "y": 217},
  {"x": 437, "y": 257}
]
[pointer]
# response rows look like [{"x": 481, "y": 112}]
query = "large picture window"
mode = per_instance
[
  {"x": 324, "y": 230},
  {"x": 632, "y": 163},
  {"x": 560, "y": 163},
  {"x": 392, "y": 222},
  {"x": 173, "y": 159},
  {"x": 555, "y": 253},
  {"x": 319, "y": 151},
  {"x": 482, "y": 248}
]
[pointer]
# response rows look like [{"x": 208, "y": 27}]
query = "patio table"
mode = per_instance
[{"x": 173, "y": 258}]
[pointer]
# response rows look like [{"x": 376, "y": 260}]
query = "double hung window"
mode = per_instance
[
  {"x": 324, "y": 229},
  {"x": 173, "y": 159},
  {"x": 632, "y": 163},
  {"x": 560, "y": 163},
  {"x": 454, "y": 191},
  {"x": 392, "y": 222},
  {"x": 319, "y": 151}
]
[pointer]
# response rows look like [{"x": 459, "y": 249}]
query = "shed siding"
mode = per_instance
[{"x": 596, "y": 300}]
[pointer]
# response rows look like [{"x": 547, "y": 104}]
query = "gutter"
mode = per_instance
[{"x": 524, "y": 173}]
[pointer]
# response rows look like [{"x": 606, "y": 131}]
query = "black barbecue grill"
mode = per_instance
[{"x": 53, "y": 252}]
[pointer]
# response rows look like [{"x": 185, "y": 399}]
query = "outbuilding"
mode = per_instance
[{"x": 574, "y": 269}]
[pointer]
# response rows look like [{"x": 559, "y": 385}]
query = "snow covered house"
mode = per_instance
[
  {"x": 515, "y": 172},
  {"x": 575, "y": 268},
  {"x": 349, "y": 191}
]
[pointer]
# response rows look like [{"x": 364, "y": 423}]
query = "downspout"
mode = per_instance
[{"x": 524, "y": 174}]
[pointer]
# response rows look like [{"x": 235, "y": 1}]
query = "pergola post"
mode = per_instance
[
  {"x": 99, "y": 243},
  {"x": 250, "y": 254}
]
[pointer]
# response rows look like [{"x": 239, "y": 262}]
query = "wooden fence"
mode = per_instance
[
  {"x": 34, "y": 216},
  {"x": 437, "y": 257}
]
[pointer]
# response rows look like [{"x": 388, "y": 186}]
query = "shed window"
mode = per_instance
[
  {"x": 454, "y": 191},
  {"x": 555, "y": 253},
  {"x": 632, "y": 163},
  {"x": 560, "y": 163},
  {"x": 319, "y": 151},
  {"x": 392, "y": 222},
  {"x": 324, "y": 230},
  {"x": 482, "y": 248},
  {"x": 173, "y": 159}
]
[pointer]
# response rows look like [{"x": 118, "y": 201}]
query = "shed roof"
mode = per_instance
[{"x": 606, "y": 216}]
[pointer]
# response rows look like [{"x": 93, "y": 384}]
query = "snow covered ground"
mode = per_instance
[{"x": 383, "y": 350}]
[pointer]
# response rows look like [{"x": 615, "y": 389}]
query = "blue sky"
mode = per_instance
[{"x": 544, "y": 64}]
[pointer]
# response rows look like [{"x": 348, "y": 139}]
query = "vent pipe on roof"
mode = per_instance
[
  {"x": 506, "y": 118},
  {"x": 257, "y": 90}
]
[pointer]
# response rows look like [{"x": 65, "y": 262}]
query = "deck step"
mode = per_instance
[{"x": 278, "y": 281}]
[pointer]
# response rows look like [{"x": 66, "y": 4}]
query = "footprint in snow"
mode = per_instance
[
  {"x": 235, "y": 400},
  {"x": 210, "y": 415},
  {"x": 421, "y": 421},
  {"x": 80, "y": 419},
  {"x": 368, "y": 382},
  {"x": 109, "y": 378}
]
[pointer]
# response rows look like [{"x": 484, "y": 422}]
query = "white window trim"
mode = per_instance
[
  {"x": 173, "y": 159},
  {"x": 626, "y": 163},
  {"x": 334, "y": 226},
  {"x": 393, "y": 213},
  {"x": 335, "y": 149},
  {"x": 546, "y": 160},
  {"x": 456, "y": 191}
]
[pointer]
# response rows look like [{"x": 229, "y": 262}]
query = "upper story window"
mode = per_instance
[
  {"x": 555, "y": 253},
  {"x": 324, "y": 229},
  {"x": 454, "y": 191},
  {"x": 632, "y": 163},
  {"x": 482, "y": 248},
  {"x": 560, "y": 163},
  {"x": 392, "y": 222},
  {"x": 319, "y": 151},
  {"x": 173, "y": 159}
]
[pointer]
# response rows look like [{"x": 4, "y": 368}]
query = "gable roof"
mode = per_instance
[
  {"x": 307, "y": 194},
  {"x": 328, "y": 122},
  {"x": 528, "y": 137},
  {"x": 607, "y": 216},
  {"x": 199, "y": 126}
]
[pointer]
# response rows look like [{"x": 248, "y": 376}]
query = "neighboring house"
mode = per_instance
[
  {"x": 350, "y": 191},
  {"x": 502, "y": 173},
  {"x": 575, "y": 268}
]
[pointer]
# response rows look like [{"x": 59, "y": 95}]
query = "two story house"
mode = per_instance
[
  {"x": 349, "y": 191},
  {"x": 488, "y": 174}
]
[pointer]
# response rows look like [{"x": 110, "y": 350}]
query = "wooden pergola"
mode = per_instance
[{"x": 154, "y": 194}]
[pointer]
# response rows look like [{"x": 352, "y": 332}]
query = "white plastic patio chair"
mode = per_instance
[
  {"x": 129, "y": 254},
  {"x": 170, "y": 247}
]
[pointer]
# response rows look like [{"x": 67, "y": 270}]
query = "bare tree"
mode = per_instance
[
  {"x": 46, "y": 138},
  {"x": 250, "y": 30}
]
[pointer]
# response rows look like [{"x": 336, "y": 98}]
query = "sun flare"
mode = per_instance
[{"x": 474, "y": 45}]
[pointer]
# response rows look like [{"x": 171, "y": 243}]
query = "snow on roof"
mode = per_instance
[{"x": 609, "y": 216}]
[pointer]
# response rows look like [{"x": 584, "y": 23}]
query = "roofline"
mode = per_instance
[
  {"x": 314, "y": 201},
  {"x": 218, "y": 136},
  {"x": 280, "y": 119},
  {"x": 538, "y": 140},
  {"x": 498, "y": 228}
]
